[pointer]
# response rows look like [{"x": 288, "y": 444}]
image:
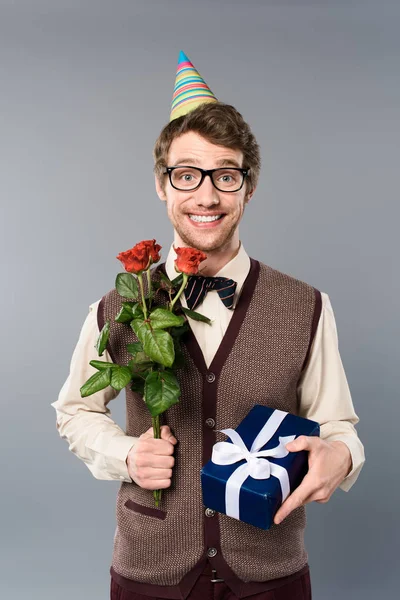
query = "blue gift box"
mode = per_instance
[{"x": 250, "y": 475}]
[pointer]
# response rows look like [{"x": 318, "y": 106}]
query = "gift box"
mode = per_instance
[{"x": 251, "y": 474}]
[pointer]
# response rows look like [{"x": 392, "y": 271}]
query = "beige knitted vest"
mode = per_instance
[{"x": 259, "y": 361}]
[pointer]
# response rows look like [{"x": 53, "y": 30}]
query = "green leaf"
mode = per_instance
[
  {"x": 141, "y": 328},
  {"x": 96, "y": 382},
  {"x": 161, "y": 391},
  {"x": 103, "y": 338},
  {"x": 129, "y": 304},
  {"x": 124, "y": 315},
  {"x": 179, "y": 361},
  {"x": 134, "y": 347},
  {"x": 157, "y": 344},
  {"x": 138, "y": 386},
  {"x": 120, "y": 377},
  {"x": 140, "y": 363},
  {"x": 161, "y": 318},
  {"x": 196, "y": 316},
  {"x": 140, "y": 369},
  {"x": 127, "y": 286},
  {"x": 177, "y": 282},
  {"x": 178, "y": 332},
  {"x": 102, "y": 364},
  {"x": 165, "y": 282},
  {"x": 137, "y": 311},
  {"x": 129, "y": 311},
  {"x": 141, "y": 358}
]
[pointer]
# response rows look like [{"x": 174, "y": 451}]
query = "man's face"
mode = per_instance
[{"x": 183, "y": 206}]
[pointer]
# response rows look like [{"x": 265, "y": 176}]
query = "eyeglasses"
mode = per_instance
[{"x": 225, "y": 179}]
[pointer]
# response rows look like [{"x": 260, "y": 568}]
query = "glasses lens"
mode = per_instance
[
  {"x": 186, "y": 178},
  {"x": 228, "y": 180}
]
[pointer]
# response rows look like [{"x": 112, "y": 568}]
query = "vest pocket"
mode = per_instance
[{"x": 145, "y": 510}]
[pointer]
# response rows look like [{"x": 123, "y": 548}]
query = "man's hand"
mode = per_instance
[
  {"x": 150, "y": 461},
  {"x": 328, "y": 462}
]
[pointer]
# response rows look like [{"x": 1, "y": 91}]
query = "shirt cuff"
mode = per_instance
[
  {"x": 357, "y": 457},
  {"x": 117, "y": 453}
]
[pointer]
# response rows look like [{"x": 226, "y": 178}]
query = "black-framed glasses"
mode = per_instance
[{"x": 225, "y": 179}]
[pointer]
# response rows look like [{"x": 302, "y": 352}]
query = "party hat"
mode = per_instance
[{"x": 190, "y": 89}]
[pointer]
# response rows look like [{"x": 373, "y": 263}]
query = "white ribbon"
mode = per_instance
[{"x": 257, "y": 466}]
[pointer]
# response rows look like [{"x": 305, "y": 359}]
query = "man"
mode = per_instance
[{"x": 275, "y": 345}]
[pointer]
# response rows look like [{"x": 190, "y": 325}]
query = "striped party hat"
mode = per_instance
[{"x": 190, "y": 89}]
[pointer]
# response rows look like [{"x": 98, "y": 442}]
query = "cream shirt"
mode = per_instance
[{"x": 103, "y": 446}]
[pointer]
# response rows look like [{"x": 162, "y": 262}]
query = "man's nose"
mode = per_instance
[{"x": 206, "y": 194}]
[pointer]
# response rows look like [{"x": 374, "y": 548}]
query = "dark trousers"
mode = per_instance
[{"x": 204, "y": 589}]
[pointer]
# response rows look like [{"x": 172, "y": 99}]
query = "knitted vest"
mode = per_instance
[{"x": 259, "y": 361}]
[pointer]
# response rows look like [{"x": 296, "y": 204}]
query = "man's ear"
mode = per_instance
[
  {"x": 249, "y": 195},
  {"x": 160, "y": 192}
]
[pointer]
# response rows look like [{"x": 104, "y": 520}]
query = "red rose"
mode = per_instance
[
  {"x": 188, "y": 260},
  {"x": 140, "y": 257},
  {"x": 154, "y": 250}
]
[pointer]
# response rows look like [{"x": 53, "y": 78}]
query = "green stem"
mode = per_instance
[
  {"x": 156, "y": 426},
  {"x": 157, "y": 434},
  {"x": 184, "y": 282},
  {"x": 140, "y": 278},
  {"x": 149, "y": 286}
]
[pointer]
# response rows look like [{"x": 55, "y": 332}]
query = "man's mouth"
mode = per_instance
[{"x": 205, "y": 218}]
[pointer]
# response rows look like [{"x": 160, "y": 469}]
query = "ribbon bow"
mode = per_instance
[
  {"x": 256, "y": 465},
  {"x": 198, "y": 286}
]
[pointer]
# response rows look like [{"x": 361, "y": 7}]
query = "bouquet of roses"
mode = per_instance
[{"x": 157, "y": 355}]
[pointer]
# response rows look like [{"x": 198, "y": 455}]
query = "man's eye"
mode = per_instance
[{"x": 227, "y": 178}]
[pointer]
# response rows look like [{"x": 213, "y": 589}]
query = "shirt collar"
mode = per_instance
[{"x": 237, "y": 268}]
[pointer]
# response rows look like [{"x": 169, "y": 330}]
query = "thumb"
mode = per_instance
[
  {"x": 300, "y": 443},
  {"x": 148, "y": 434},
  {"x": 166, "y": 434}
]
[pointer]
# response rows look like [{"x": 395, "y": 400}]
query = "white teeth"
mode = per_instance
[{"x": 201, "y": 219}]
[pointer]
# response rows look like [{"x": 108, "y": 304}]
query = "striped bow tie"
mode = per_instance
[{"x": 198, "y": 286}]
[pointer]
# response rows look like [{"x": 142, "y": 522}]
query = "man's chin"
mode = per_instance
[{"x": 206, "y": 243}]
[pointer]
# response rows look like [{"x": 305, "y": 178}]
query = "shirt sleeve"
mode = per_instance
[
  {"x": 85, "y": 422},
  {"x": 325, "y": 395}
]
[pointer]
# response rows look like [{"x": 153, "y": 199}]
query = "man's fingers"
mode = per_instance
[
  {"x": 147, "y": 434},
  {"x": 155, "y": 446},
  {"x": 300, "y": 496},
  {"x": 154, "y": 484},
  {"x": 303, "y": 442},
  {"x": 145, "y": 459},
  {"x": 166, "y": 434},
  {"x": 155, "y": 473},
  {"x": 151, "y": 462}
]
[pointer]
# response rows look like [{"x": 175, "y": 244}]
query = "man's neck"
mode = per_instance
[{"x": 216, "y": 260}]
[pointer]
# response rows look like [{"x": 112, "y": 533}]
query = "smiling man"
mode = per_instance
[
  {"x": 205, "y": 209},
  {"x": 272, "y": 341}
]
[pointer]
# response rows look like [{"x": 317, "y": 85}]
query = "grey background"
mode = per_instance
[{"x": 85, "y": 89}]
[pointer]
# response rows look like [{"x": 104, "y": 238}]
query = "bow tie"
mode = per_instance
[{"x": 198, "y": 286}]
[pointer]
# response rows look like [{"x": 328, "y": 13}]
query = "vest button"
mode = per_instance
[
  {"x": 210, "y": 423},
  {"x": 211, "y": 552},
  {"x": 209, "y": 512},
  {"x": 210, "y": 377}
]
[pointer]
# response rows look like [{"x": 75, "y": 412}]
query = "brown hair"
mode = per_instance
[{"x": 220, "y": 124}]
